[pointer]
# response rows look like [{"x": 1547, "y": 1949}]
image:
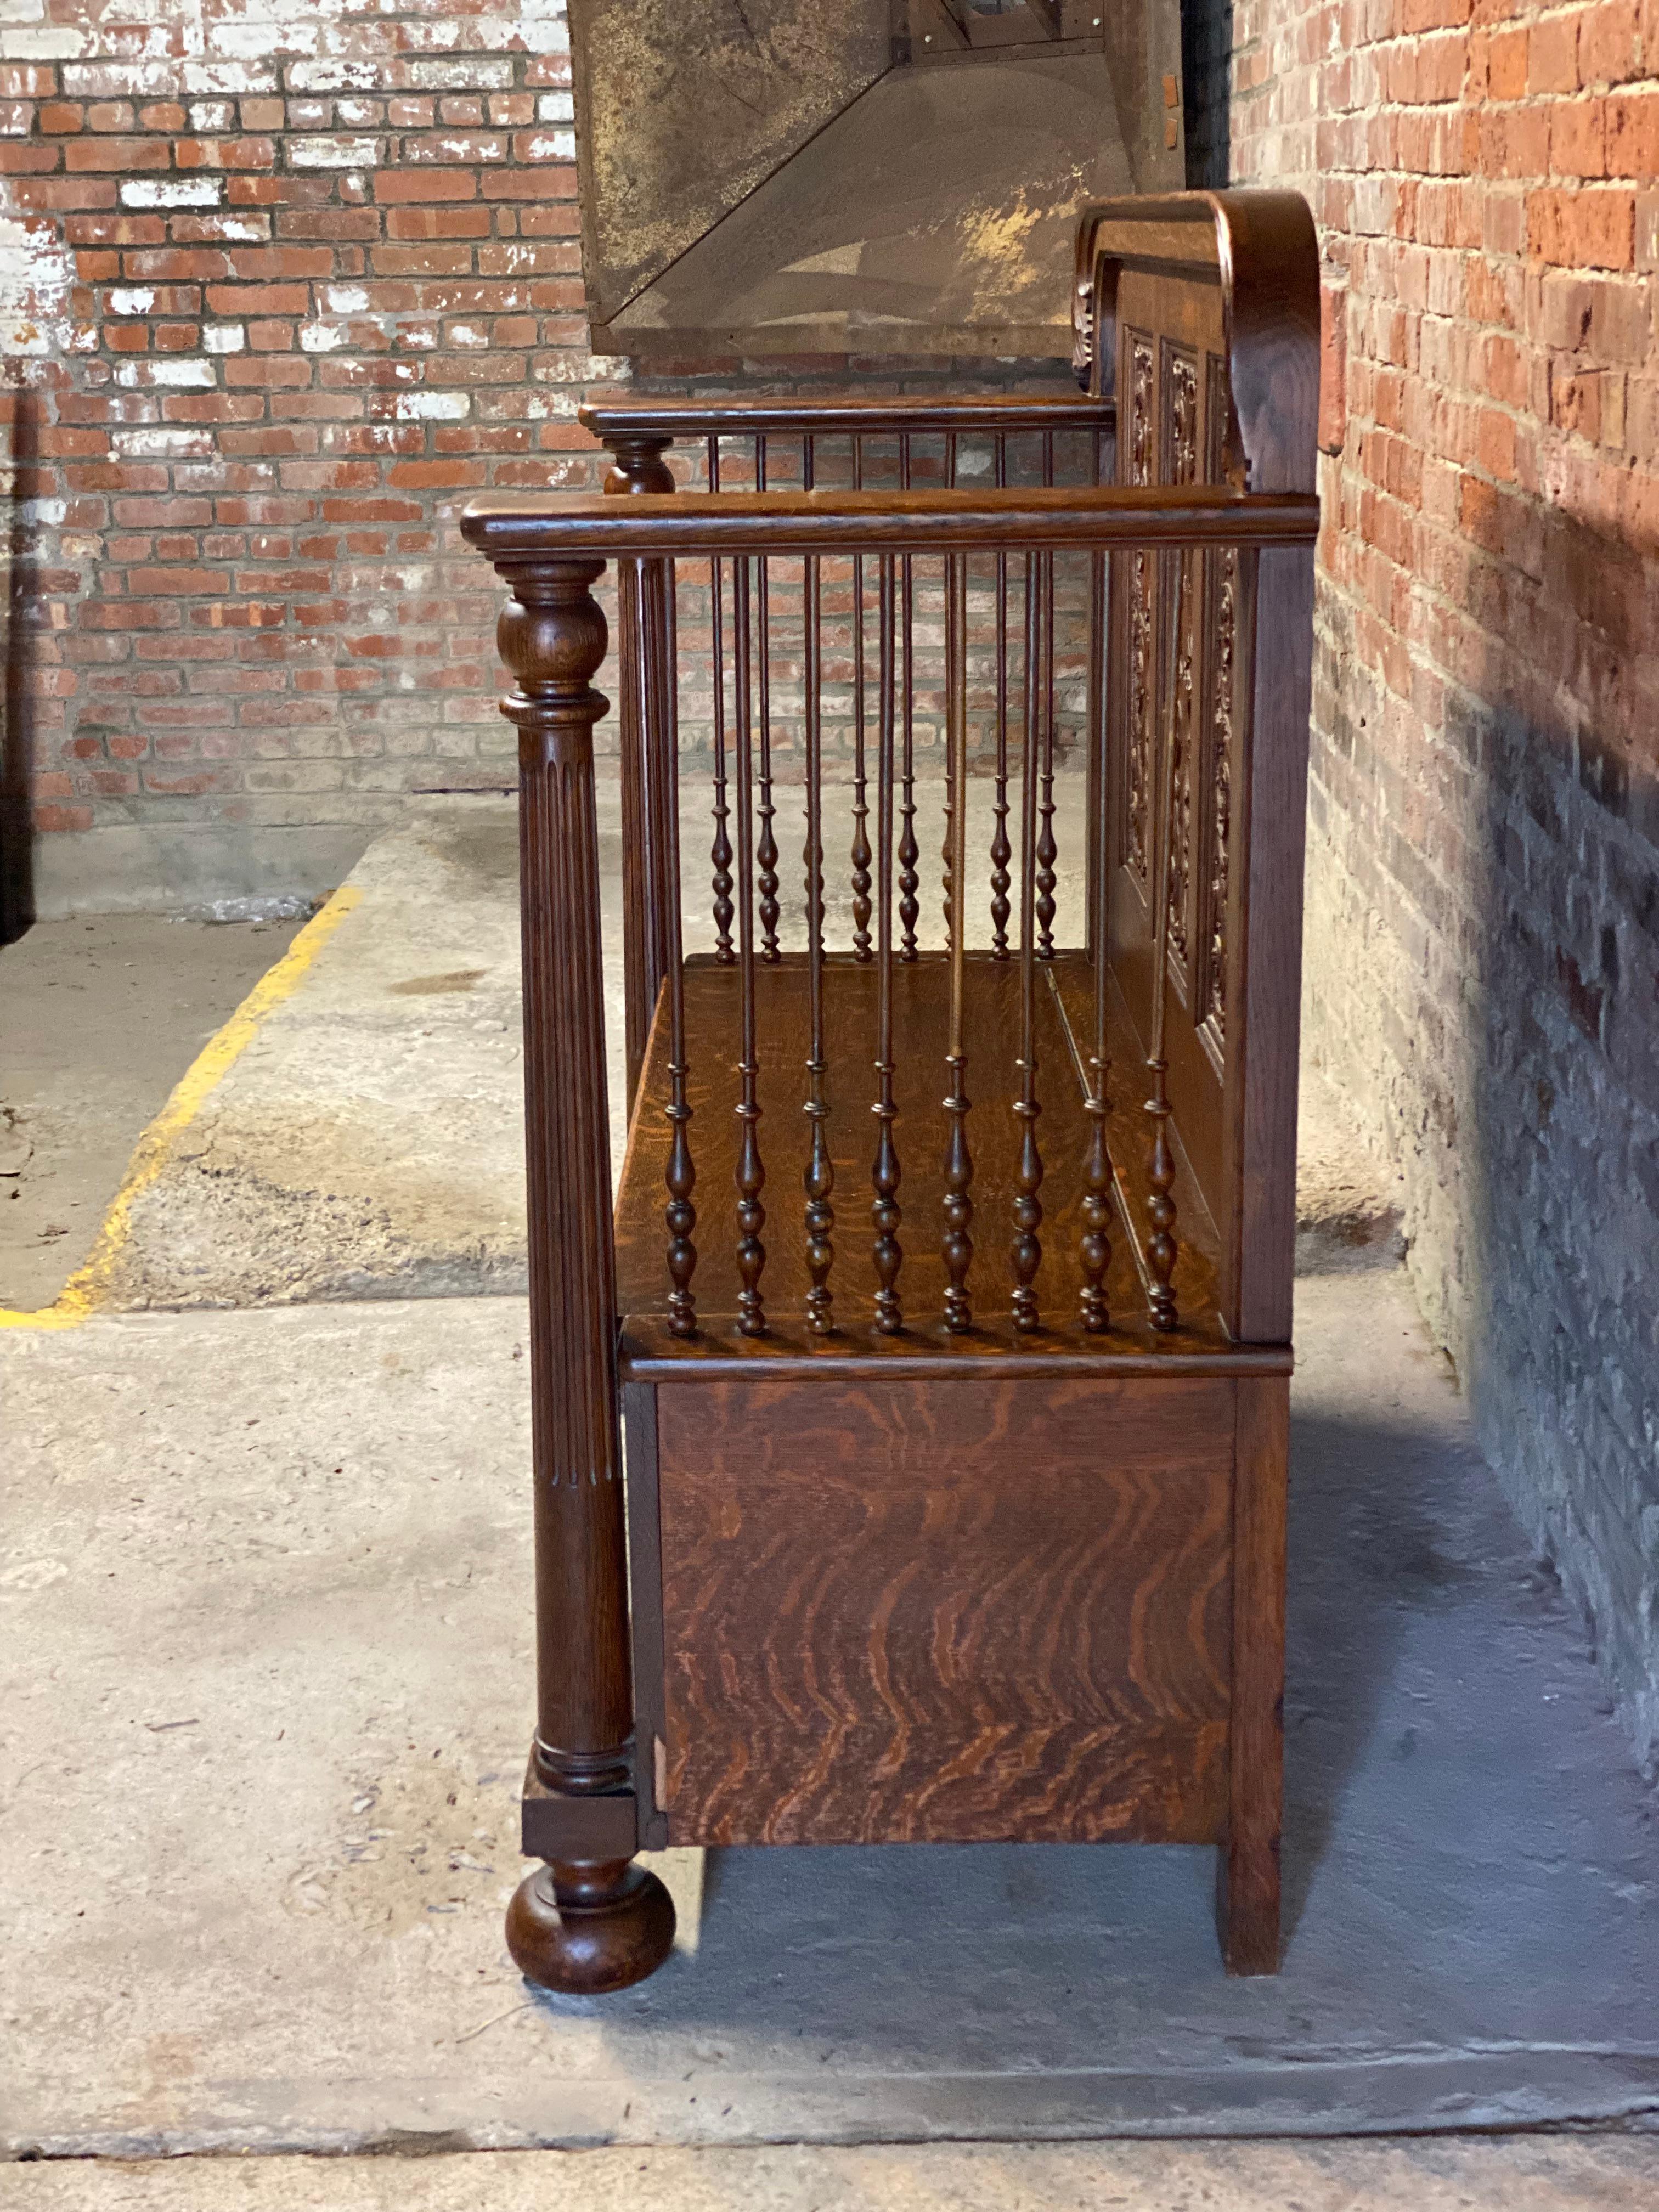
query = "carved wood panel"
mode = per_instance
[
  {"x": 1166, "y": 624},
  {"x": 894, "y": 1612}
]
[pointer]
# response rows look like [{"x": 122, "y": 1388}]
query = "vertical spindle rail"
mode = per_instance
[
  {"x": 766, "y": 850},
  {"x": 884, "y": 1212},
  {"x": 1160, "y": 1166},
  {"x": 1027, "y": 1250},
  {"x": 1094, "y": 1250},
  {"x": 860, "y": 854},
  {"x": 638, "y": 465},
  {"x": 819, "y": 1176},
  {"x": 909, "y": 853},
  {"x": 680, "y": 1215},
  {"x": 720, "y": 854},
  {"x": 1001, "y": 851},
  {"x": 955, "y": 793},
  {"x": 751, "y": 1172},
  {"x": 1095, "y": 848},
  {"x": 1046, "y": 851},
  {"x": 588, "y": 1920},
  {"x": 957, "y": 1248}
]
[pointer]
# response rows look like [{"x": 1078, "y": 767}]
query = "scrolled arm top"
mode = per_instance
[{"x": 1258, "y": 253}]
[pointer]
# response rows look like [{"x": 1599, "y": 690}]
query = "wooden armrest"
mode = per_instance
[
  {"x": 843, "y": 415},
  {"x": 509, "y": 526}
]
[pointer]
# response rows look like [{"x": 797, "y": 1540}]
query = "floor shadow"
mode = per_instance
[
  {"x": 1380, "y": 1536},
  {"x": 1368, "y": 1545}
]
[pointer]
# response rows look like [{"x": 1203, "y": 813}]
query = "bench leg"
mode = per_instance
[
  {"x": 1247, "y": 1908},
  {"x": 591, "y": 1927},
  {"x": 1247, "y": 1886}
]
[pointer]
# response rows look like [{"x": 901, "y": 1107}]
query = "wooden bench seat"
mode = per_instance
[
  {"x": 920, "y": 1017},
  {"x": 944, "y": 1306}
]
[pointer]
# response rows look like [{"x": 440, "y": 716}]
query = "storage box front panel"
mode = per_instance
[{"x": 898, "y": 1612}]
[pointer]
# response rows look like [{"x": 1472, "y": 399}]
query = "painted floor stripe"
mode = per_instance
[{"x": 88, "y": 1289}]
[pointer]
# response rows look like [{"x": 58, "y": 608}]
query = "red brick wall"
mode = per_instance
[
  {"x": 1484, "y": 878},
  {"x": 283, "y": 286},
  {"x": 310, "y": 304}
]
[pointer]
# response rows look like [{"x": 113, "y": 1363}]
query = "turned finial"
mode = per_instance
[
  {"x": 637, "y": 463},
  {"x": 552, "y": 635}
]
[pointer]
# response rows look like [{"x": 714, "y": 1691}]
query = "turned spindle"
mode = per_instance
[
  {"x": 1026, "y": 1252},
  {"x": 957, "y": 1249},
  {"x": 720, "y": 851},
  {"x": 766, "y": 847},
  {"x": 955, "y": 793},
  {"x": 1094, "y": 1248},
  {"x": 637, "y": 467},
  {"x": 1001, "y": 851},
  {"x": 818, "y": 1176},
  {"x": 680, "y": 1215},
  {"x": 861, "y": 855},
  {"x": 1161, "y": 1247},
  {"x": 909, "y": 853},
  {"x": 751, "y": 1172},
  {"x": 885, "y": 1174}
]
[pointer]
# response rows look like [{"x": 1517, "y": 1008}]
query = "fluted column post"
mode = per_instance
[{"x": 589, "y": 1920}]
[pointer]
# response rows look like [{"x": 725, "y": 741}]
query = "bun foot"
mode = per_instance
[{"x": 589, "y": 1928}]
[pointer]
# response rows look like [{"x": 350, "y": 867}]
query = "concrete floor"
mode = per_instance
[
  {"x": 262, "y": 1721},
  {"x": 266, "y": 1695},
  {"x": 1519, "y": 2173},
  {"x": 368, "y": 1142},
  {"x": 101, "y": 1016}
]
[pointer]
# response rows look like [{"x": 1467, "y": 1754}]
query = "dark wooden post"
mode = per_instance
[
  {"x": 1247, "y": 1864},
  {"x": 643, "y": 588},
  {"x": 589, "y": 1920}
]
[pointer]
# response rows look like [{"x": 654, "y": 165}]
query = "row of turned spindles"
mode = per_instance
[
  {"x": 751, "y": 695},
  {"x": 1040, "y": 637},
  {"x": 885, "y": 886}
]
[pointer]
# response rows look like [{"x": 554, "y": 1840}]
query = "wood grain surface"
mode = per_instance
[
  {"x": 1248, "y": 1869},
  {"x": 895, "y": 1612}
]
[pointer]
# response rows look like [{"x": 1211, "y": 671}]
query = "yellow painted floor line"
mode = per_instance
[{"x": 88, "y": 1289}]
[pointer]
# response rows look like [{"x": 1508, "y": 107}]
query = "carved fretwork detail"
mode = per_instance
[
  {"x": 1222, "y": 629},
  {"x": 1142, "y": 656},
  {"x": 1181, "y": 827},
  {"x": 1181, "y": 467},
  {"x": 1181, "y": 401},
  {"x": 1221, "y": 794}
]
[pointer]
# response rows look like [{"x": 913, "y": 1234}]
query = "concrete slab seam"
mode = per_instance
[{"x": 86, "y": 1291}]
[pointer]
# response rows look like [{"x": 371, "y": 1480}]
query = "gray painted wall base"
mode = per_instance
[{"x": 225, "y": 872}]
